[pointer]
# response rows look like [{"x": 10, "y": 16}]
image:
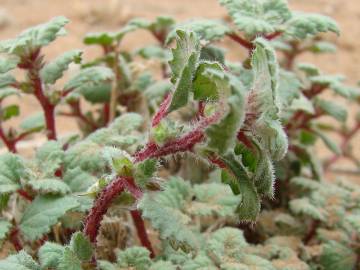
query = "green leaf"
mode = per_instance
[
  {"x": 89, "y": 77},
  {"x": 81, "y": 246},
  {"x": 205, "y": 29},
  {"x": 323, "y": 47},
  {"x": 205, "y": 85},
  {"x": 6, "y": 80},
  {"x": 302, "y": 103},
  {"x": 126, "y": 123},
  {"x": 53, "y": 71},
  {"x": 105, "y": 265},
  {"x": 11, "y": 171},
  {"x": 50, "y": 255},
  {"x": 108, "y": 38},
  {"x": 264, "y": 177},
  {"x": 43, "y": 213},
  {"x": 226, "y": 243},
  {"x": 157, "y": 90},
  {"x": 222, "y": 136},
  {"x": 78, "y": 180},
  {"x": 257, "y": 17},
  {"x": 213, "y": 199},
  {"x": 288, "y": 89},
  {"x": 332, "y": 109},
  {"x": 35, "y": 37},
  {"x": 249, "y": 205},
  {"x": 135, "y": 258},
  {"x": 69, "y": 261},
  {"x": 5, "y": 227},
  {"x": 153, "y": 52},
  {"x": 20, "y": 261},
  {"x": 159, "y": 27},
  {"x": 213, "y": 54},
  {"x": 303, "y": 206},
  {"x": 302, "y": 25},
  {"x": 8, "y": 91},
  {"x": 337, "y": 256},
  {"x": 50, "y": 186},
  {"x": 183, "y": 66},
  {"x": 7, "y": 64},
  {"x": 10, "y": 111},
  {"x": 163, "y": 211},
  {"x": 49, "y": 158},
  {"x": 332, "y": 145},
  {"x": 33, "y": 123},
  {"x": 144, "y": 171}
]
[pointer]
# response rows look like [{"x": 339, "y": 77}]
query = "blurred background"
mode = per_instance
[{"x": 98, "y": 15}]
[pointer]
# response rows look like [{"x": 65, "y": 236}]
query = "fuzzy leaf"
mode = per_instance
[
  {"x": 249, "y": 205},
  {"x": 53, "y": 71},
  {"x": 44, "y": 212},
  {"x": 332, "y": 109},
  {"x": 19, "y": 261},
  {"x": 337, "y": 256},
  {"x": 49, "y": 158},
  {"x": 183, "y": 67},
  {"x": 163, "y": 212},
  {"x": 50, "y": 255},
  {"x": 213, "y": 198},
  {"x": 35, "y": 37},
  {"x": 222, "y": 136},
  {"x": 108, "y": 38},
  {"x": 264, "y": 177},
  {"x": 33, "y": 123},
  {"x": 226, "y": 243},
  {"x": 213, "y": 54},
  {"x": 256, "y": 17},
  {"x": 302, "y": 25},
  {"x": 304, "y": 207},
  {"x": 4, "y": 228},
  {"x": 11, "y": 171},
  {"x": 205, "y": 29},
  {"x": 7, "y": 64},
  {"x": 8, "y": 91},
  {"x": 332, "y": 145},
  {"x": 50, "y": 186},
  {"x": 89, "y": 77},
  {"x": 81, "y": 246},
  {"x": 137, "y": 258},
  {"x": 69, "y": 261},
  {"x": 6, "y": 80}
]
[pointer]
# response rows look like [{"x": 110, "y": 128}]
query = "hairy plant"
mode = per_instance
[{"x": 246, "y": 131}]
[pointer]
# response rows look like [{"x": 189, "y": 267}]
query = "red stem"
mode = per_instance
[
  {"x": 243, "y": 42},
  {"x": 14, "y": 238},
  {"x": 162, "y": 111},
  {"x": 141, "y": 231},
  {"x": 10, "y": 144},
  {"x": 106, "y": 111},
  {"x": 25, "y": 195},
  {"x": 33, "y": 63},
  {"x": 103, "y": 202}
]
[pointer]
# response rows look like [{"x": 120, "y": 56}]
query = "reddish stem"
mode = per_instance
[
  {"x": 106, "y": 111},
  {"x": 141, "y": 231},
  {"x": 10, "y": 144},
  {"x": 185, "y": 143},
  {"x": 243, "y": 42},
  {"x": 201, "y": 110},
  {"x": 162, "y": 111},
  {"x": 244, "y": 139},
  {"x": 33, "y": 63},
  {"x": 273, "y": 35},
  {"x": 25, "y": 195},
  {"x": 14, "y": 238}
]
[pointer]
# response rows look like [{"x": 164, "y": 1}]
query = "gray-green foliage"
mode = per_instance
[{"x": 256, "y": 120}]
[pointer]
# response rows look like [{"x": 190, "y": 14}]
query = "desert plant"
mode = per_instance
[{"x": 262, "y": 201}]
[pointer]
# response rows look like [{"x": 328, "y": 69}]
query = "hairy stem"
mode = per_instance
[
  {"x": 33, "y": 64},
  {"x": 141, "y": 231},
  {"x": 104, "y": 201}
]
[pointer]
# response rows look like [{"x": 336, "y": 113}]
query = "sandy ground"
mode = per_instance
[{"x": 96, "y": 15}]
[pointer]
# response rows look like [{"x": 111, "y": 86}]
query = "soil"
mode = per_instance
[{"x": 96, "y": 15}]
